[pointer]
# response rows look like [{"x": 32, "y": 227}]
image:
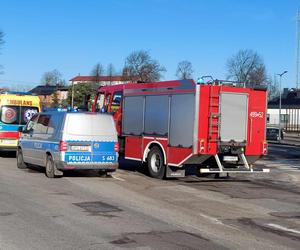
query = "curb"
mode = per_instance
[{"x": 287, "y": 144}]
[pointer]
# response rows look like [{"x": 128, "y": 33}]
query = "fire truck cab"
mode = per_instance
[{"x": 178, "y": 125}]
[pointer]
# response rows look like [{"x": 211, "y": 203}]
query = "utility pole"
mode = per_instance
[
  {"x": 280, "y": 76},
  {"x": 72, "y": 96},
  {"x": 297, "y": 50}
]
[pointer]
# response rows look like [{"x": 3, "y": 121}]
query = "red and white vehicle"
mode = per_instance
[{"x": 178, "y": 125}]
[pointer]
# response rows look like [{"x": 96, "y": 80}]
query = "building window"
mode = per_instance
[
  {"x": 268, "y": 118},
  {"x": 284, "y": 118}
]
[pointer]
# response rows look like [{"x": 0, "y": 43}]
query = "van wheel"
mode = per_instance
[
  {"x": 20, "y": 160},
  {"x": 51, "y": 170},
  {"x": 156, "y": 166}
]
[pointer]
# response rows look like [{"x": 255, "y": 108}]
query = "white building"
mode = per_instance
[{"x": 290, "y": 110}]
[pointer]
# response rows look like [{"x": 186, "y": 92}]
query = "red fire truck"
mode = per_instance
[{"x": 173, "y": 126}]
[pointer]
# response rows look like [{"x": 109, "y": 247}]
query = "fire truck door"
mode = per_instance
[{"x": 233, "y": 117}]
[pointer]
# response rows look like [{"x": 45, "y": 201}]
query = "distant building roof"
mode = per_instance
[
  {"x": 47, "y": 89},
  {"x": 97, "y": 78},
  {"x": 289, "y": 99}
]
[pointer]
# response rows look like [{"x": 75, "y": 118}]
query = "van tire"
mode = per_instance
[
  {"x": 20, "y": 160},
  {"x": 51, "y": 170},
  {"x": 155, "y": 162}
]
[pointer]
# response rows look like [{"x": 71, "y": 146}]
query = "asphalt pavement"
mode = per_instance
[{"x": 133, "y": 211}]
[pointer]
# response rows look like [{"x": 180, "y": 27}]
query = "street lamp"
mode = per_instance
[{"x": 280, "y": 76}]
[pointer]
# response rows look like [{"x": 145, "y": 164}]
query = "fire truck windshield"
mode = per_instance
[
  {"x": 107, "y": 104},
  {"x": 100, "y": 102}
]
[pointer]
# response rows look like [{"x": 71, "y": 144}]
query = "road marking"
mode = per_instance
[
  {"x": 283, "y": 228},
  {"x": 288, "y": 168},
  {"x": 217, "y": 221},
  {"x": 117, "y": 178}
]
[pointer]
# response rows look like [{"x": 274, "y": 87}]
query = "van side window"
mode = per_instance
[
  {"x": 42, "y": 124},
  {"x": 17, "y": 114},
  {"x": 27, "y": 113},
  {"x": 10, "y": 114},
  {"x": 30, "y": 125},
  {"x": 53, "y": 124},
  {"x": 116, "y": 101}
]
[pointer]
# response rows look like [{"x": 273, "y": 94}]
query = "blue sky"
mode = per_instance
[{"x": 72, "y": 36}]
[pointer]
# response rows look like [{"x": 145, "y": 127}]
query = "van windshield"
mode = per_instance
[
  {"x": 272, "y": 130},
  {"x": 90, "y": 125},
  {"x": 18, "y": 115}
]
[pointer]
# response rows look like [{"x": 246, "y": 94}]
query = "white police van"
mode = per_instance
[{"x": 69, "y": 140}]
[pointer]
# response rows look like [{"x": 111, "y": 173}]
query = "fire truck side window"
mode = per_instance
[
  {"x": 100, "y": 102},
  {"x": 106, "y": 103},
  {"x": 116, "y": 101}
]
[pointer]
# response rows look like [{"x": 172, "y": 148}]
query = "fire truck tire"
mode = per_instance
[
  {"x": 155, "y": 162},
  {"x": 20, "y": 160}
]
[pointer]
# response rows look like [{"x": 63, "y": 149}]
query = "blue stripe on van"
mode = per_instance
[
  {"x": 39, "y": 145},
  {"x": 101, "y": 152},
  {"x": 4, "y": 127}
]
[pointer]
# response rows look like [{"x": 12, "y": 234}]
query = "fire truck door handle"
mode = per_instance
[{"x": 250, "y": 130}]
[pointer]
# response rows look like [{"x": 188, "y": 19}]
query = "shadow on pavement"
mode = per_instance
[
  {"x": 68, "y": 173},
  {"x": 132, "y": 166},
  {"x": 8, "y": 154}
]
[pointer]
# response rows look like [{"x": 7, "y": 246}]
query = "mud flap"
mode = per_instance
[
  {"x": 174, "y": 172},
  {"x": 57, "y": 172}
]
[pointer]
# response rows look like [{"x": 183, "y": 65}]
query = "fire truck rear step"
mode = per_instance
[
  {"x": 232, "y": 170},
  {"x": 246, "y": 168}
]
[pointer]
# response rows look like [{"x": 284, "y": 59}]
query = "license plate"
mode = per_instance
[
  {"x": 9, "y": 141},
  {"x": 230, "y": 158},
  {"x": 80, "y": 148}
]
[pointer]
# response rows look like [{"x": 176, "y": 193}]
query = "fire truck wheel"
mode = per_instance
[
  {"x": 20, "y": 160},
  {"x": 156, "y": 166}
]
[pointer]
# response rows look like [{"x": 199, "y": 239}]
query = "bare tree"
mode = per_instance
[
  {"x": 97, "y": 71},
  {"x": 110, "y": 72},
  {"x": 184, "y": 70},
  {"x": 139, "y": 66},
  {"x": 1, "y": 43},
  {"x": 247, "y": 66},
  {"x": 273, "y": 88},
  {"x": 126, "y": 74},
  {"x": 52, "y": 78}
]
